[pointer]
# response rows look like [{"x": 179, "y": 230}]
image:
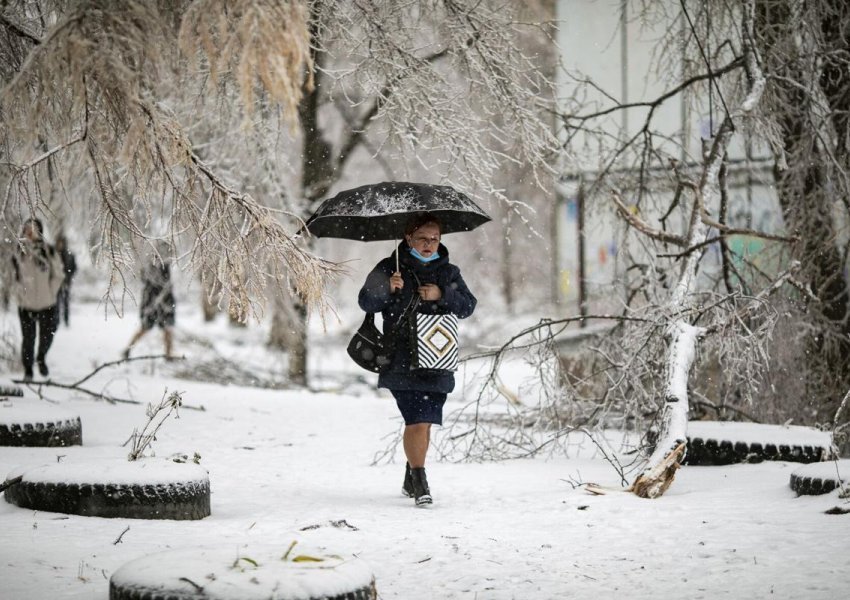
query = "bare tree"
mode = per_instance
[
  {"x": 675, "y": 218},
  {"x": 769, "y": 67}
]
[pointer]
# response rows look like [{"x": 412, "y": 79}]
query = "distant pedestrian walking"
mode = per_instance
[
  {"x": 69, "y": 267},
  {"x": 38, "y": 274},
  {"x": 158, "y": 306}
]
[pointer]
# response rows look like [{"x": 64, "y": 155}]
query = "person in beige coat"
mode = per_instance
[{"x": 38, "y": 274}]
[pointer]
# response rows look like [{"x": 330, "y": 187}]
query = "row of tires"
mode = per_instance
[
  {"x": 182, "y": 494},
  {"x": 719, "y": 443},
  {"x": 710, "y": 452}
]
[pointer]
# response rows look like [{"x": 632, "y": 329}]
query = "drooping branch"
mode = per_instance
[
  {"x": 110, "y": 62},
  {"x": 511, "y": 345}
]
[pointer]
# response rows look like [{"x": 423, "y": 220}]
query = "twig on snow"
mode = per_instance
[{"x": 118, "y": 539}]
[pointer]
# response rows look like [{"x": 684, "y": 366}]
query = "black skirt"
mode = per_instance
[{"x": 417, "y": 406}]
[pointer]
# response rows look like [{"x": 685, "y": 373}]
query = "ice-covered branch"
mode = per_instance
[{"x": 670, "y": 445}]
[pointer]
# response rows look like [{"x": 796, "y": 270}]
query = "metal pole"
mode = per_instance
[
  {"x": 624, "y": 65},
  {"x": 582, "y": 275}
]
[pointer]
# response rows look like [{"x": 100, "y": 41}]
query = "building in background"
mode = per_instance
[{"x": 613, "y": 55}]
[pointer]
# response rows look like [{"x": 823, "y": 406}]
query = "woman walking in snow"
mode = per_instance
[
  {"x": 158, "y": 306},
  {"x": 424, "y": 274},
  {"x": 38, "y": 274}
]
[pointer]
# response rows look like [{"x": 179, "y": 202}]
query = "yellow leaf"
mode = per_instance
[{"x": 305, "y": 558}]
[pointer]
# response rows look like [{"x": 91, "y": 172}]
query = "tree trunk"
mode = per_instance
[
  {"x": 809, "y": 188},
  {"x": 289, "y": 333},
  {"x": 671, "y": 444},
  {"x": 672, "y": 439},
  {"x": 507, "y": 270},
  {"x": 210, "y": 297},
  {"x": 289, "y": 321}
]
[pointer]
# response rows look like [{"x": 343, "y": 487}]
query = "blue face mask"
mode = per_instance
[{"x": 424, "y": 259}]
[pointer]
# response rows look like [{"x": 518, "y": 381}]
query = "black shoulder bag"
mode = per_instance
[{"x": 370, "y": 348}]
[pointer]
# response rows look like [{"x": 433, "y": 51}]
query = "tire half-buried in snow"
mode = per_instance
[
  {"x": 726, "y": 443},
  {"x": 10, "y": 390},
  {"x": 148, "y": 488},
  {"x": 820, "y": 478},
  {"x": 248, "y": 573},
  {"x": 27, "y": 422}
]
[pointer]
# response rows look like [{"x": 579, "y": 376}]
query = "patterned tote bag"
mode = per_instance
[{"x": 435, "y": 342}]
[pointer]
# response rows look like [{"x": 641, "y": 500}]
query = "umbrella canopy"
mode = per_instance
[{"x": 380, "y": 211}]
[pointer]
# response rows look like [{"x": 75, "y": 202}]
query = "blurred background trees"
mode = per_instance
[{"x": 219, "y": 126}]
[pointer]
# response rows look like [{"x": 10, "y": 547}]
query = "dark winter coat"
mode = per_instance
[
  {"x": 375, "y": 297},
  {"x": 69, "y": 264}
]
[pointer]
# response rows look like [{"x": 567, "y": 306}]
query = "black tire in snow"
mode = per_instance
[
  {"x": 182, "y": 501},
  {"x": 7, "y": 391},
  {"x": 52, "y": 432},
  {"x": 158, "y": 489},
  {"x": 262, "y": 572},
  {"x": 116, "y": 592},
  {"x": 820, "y": 478},
  {"x": 722, "y": 443}
]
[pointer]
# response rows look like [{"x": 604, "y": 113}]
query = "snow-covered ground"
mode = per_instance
[{"x": 288, "y": 465}]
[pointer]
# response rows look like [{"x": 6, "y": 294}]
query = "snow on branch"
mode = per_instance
[
  {"x": 447, "y": 84},
  {"x": 252, "y": 41},
  {"x": 106, "y": 78}
]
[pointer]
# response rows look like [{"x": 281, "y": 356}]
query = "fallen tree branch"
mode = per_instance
[
  {"x": 10, "y": 482},
  {"x": 543, "y": 324},
  {"x": 112, "y": 363},
  {"x": 36, "y": 386}
]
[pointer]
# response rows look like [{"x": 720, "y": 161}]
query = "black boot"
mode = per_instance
[
  {"x": 407, "y": 486},
  {"x": 420, "y": 487}
]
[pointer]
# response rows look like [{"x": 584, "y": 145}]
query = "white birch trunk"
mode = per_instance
[{"x": 672, "y": 439}]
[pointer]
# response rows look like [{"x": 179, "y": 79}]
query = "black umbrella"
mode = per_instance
[{"x": 380, "y": 211}]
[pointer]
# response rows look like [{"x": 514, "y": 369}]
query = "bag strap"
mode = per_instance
[{"x": 410, "y": 308}]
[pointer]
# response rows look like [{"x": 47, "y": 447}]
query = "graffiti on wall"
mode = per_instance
[{"x": 753, "y": 206}]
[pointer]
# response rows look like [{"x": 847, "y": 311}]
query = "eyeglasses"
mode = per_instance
[{"x": 422, "y": 241}]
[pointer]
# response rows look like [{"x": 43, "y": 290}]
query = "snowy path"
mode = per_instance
[{"x": 287, "y": 465}]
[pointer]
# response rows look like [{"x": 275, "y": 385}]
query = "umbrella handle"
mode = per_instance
[{"x": 396, "y": 259}]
